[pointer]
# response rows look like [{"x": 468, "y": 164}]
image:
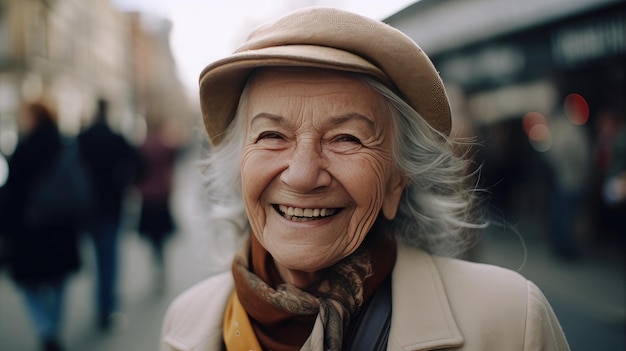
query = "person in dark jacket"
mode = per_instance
[
  {"x": 42, "y": 256},
  {"x": 112, "y": 162},
  {"x": 158, "y": 153}
]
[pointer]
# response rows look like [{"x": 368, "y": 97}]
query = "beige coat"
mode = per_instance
[{"x": 438, "y": 303}]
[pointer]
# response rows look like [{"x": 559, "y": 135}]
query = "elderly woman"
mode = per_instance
[{"x": 331, "y": 130}]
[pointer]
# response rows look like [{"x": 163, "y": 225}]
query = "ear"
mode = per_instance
[{"x": 395, "y": 187}]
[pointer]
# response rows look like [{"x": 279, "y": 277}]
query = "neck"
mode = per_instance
[
  {"x": 300, "y": 279},
  {"x": 274, "y": 273}
]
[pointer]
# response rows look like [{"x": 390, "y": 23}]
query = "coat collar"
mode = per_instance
[{"x": 421, "y": 315}]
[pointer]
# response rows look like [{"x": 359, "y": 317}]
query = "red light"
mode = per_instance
[
  {"x": 532, "y": 119},
  {"x": 576, "y": 109},
  {"x": 540, "y": 132}
]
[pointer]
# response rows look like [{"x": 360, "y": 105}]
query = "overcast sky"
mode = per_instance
[{"x": 206, "y": 30}]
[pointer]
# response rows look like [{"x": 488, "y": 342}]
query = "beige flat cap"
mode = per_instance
[{"x": 332, "y": 39}]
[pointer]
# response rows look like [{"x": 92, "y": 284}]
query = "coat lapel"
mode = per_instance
[
  {"x": 194, "y": 320},
  {"x": 421, "y": 315}
]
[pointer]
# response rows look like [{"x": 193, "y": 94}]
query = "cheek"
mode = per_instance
[
  {"x": 248, "y": 183},
  {"x": 366, "y": 181},
  {"x": 257, "y": 172},
  {"x": 366, "y": 186}
]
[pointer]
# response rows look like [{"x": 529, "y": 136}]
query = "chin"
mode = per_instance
[{"x": 303, "y": 262}]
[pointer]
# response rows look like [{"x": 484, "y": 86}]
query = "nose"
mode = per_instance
[{"x": 307, "y": 168}]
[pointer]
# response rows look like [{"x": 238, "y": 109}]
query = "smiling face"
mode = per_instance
[{"x": 317, "y": 165}]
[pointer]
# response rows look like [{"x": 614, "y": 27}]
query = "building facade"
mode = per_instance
[
  {"x": 515, "y": 71},
  {"x": 72, "y": 52}
]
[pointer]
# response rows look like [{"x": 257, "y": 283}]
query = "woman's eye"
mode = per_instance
[
  {"x": 346, "y": 138},
  {"x": 270, "y": 135}
]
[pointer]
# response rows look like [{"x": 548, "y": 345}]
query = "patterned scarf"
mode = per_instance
[{"x": 285, "y": 317}]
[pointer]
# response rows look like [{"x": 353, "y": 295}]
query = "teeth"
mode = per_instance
[{"x": 297, "y": 213}]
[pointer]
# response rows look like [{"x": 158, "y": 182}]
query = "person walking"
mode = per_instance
[
  {"x": 112, "y": 161},
  {"x": 158, "y": 154},
  {"x": 42, "y": 254}
]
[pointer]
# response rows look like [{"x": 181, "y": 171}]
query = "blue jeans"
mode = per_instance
[
  {"x": 45, "y": 305},
  {"x": 105, "y": 239}
]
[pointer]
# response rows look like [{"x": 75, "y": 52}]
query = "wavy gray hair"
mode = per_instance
[{"x": 437, "y": 211}]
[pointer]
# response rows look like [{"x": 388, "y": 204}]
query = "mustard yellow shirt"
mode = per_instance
[{"x": 238, "y": 332}]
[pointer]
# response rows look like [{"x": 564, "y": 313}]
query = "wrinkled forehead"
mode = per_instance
[
  {"x": 307, "y": 81},
  {"x": 286, "y": 85}
]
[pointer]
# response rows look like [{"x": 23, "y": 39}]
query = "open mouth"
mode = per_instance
[{"x": 305, "y": 214}]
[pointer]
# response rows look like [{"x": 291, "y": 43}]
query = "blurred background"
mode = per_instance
[{"x": 538, "y": 84}]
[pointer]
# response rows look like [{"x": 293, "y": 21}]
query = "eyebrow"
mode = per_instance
[
  {"x": 352, "y": 116},
  {"x": 269, "y": 116},
  {"x": 336, "y": 121}
]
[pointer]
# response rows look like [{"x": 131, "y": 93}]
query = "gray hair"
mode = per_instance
[
  {"x": 437, "y": 211},
  {"x": 438, "y": 208}
]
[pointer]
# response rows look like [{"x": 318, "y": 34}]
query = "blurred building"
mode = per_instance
[
  {"x": 512, "y": 65},
  {"x": 159, "y": 94},
  {"x": 68, "y": 51},
  {"x": 538, "y": 49},
  {"x": 71, "y": 52}
]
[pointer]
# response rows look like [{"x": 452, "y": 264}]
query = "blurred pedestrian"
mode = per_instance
[
  {"x": 4, "y": 250},
  {"x": 156, "y": 224},
  {"x": 614, "y": 184},
  {"x": 113, "y": 162},
  {"x": 569, "y": 158},
  {"x": 42, "y": 255}
]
